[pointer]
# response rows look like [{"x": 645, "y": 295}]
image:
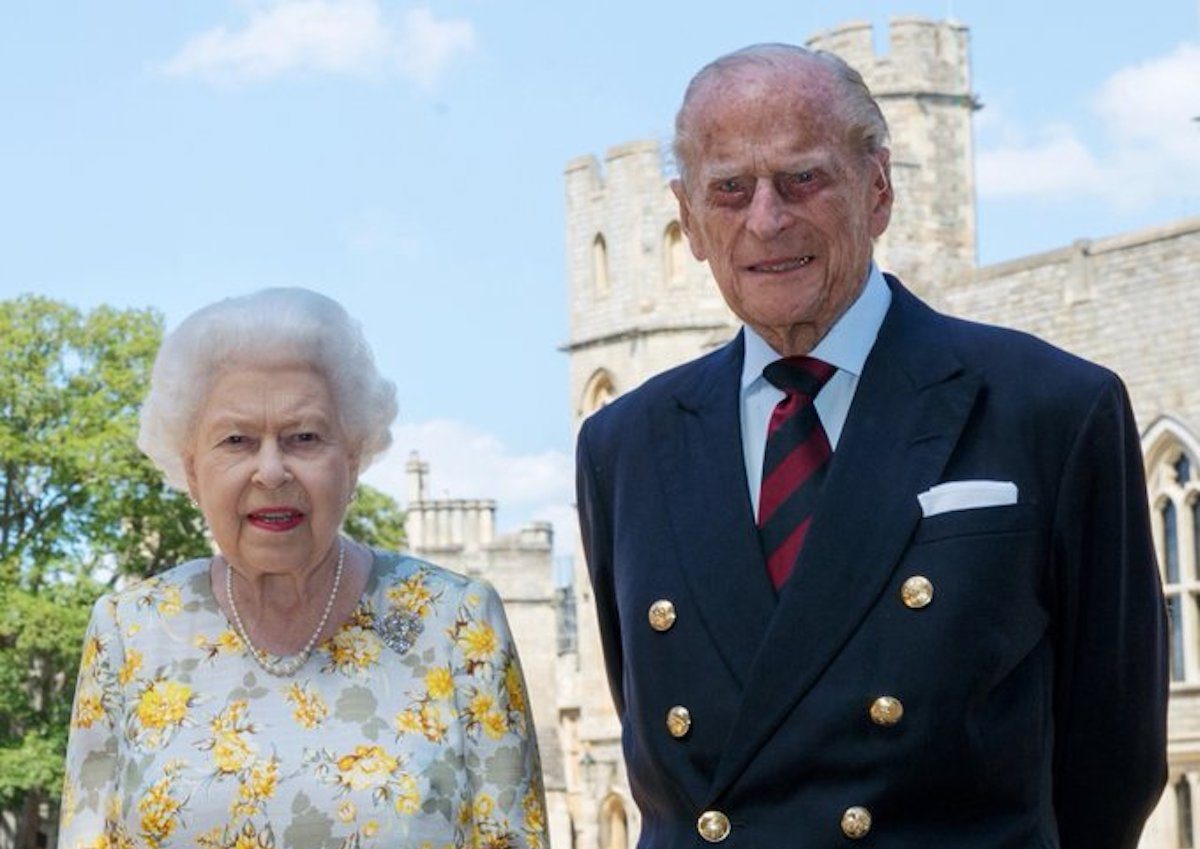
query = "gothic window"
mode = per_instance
[
  {"x": 599, "y": 390},
  {"x": 1196, "y": 530},
  {"x": 600, "y": 264},
  {"x": 1175, "y": 495},
  {"x": 1170, "y": 542},
  {"x": 674, "y": 255},
  {"x": 1183, "y": 813}
]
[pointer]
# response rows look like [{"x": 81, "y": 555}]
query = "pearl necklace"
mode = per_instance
[{"x": 280, "y": 667}]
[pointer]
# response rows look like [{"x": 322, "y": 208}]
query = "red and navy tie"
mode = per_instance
[{"x": 794, "y": 465}]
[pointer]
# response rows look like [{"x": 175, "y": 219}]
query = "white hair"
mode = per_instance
[
  {"x": 866, "y": 128},
  {"x": 282, "y": 326}
]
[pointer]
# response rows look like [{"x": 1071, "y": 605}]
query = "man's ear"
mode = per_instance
[
  {"x": 883, "y": 193},
  {"x": 685, "y": 220}
]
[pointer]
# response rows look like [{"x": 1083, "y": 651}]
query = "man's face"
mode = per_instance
[{"x": 776, "y": 201}]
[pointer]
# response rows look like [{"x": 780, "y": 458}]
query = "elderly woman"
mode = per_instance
[{"x": 298, "y": 688}]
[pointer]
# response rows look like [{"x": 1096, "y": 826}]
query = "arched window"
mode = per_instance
[
  {"x": 1183, "y": 813},
  {"x": 1171, "y": 453},
  {"x": 600, "y": 264},
  {"x": 674, "y": 255},
  {"x": 1196, "y": 530},
  {"x": 1170, "y": 542},
  {"x": 599, "y": 390}
]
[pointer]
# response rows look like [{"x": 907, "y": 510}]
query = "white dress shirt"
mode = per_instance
[{"x": 845, "y": 346}]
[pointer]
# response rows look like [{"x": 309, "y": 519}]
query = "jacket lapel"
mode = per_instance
[
  {"x": 911, "y": 404},
  {"x": 697, "y": 438}
]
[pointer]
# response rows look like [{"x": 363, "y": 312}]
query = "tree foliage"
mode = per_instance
[
  {"x": 79, "y": 507},
  {"x": 76, "y": 496},
  {"x": 375, "y": 519}
]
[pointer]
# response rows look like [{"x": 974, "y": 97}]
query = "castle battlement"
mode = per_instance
[{"x": 923, "y": 57}]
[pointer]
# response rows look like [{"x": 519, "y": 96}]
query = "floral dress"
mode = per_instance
[{"x": 409, "y": 727}]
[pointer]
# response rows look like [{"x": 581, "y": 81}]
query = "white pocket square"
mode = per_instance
[{"x": 966, "y": 495}]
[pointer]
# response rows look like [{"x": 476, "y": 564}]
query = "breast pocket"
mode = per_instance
[
  {"x": 978, "y": 521},
  {"x": 985, "y": 569}
]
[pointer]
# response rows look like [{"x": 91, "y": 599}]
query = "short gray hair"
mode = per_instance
[
  {"x": 865, "y": 125},
  {"x": 283, "y": 326}
]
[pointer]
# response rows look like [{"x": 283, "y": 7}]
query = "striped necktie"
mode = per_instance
[{"x": 794, "y": 464}]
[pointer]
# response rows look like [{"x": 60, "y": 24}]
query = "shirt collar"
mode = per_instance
[{"x": 847, "y": 343}]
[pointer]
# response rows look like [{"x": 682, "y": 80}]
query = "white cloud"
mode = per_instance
[
  {"x": 1148, "y": 148},
  {"x": 344, "y": 37},
  {"x": 429, "y": 45},
  {"x": 1056, "y": 164},
  {"x": 467, "y": 462}
]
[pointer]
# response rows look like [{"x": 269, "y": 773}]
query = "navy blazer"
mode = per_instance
[{"x": 1034, "y": 685}]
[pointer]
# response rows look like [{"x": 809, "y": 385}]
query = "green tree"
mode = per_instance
[
  {"x": 375, "y": 519},
  {"x": 79, "y": 507}
]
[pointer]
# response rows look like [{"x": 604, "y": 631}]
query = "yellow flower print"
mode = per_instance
[
  {"x": 535, "y": 817},
  {"x": 346, "y": 811},
  {"x": 227, "y": 642},
  {"x": 408, "y": 722},
  {"x": 484, "y": 806},
  {"x": 426, "y": 720},
  {"x": 158, "y": 809},
  {"x": 412, "y": 595},
  {"x": 353, "y": 648},
  {"x": 431, "y": 723},
  {"x": 368, "y": 768},
  {"x": 231, "y": 752},
  {"x": 370, "y": 828},
  {"x": 211, "y": 839},
  {"x": 258, "y": 786},
  {"x": 171, "y": 601},
  {"x": 130, "y": 668},
  {"x": 89, "y": 706},
  {"x": 408, "y": 798},
  {"x": 310, "y": 708},
  {"x": 514, "y": 687},
  {"x": 439, "y": 682},
  {"x": 91, "y": 650},
  {"x": 249, "y": 838},
  {"x": 481, "y": 703},
  {"x": 162, "y": 707},
  {"x": 478, "y": 642},
  {"x": 494, "y": 723},
  {"x": 67, "y": 806}
]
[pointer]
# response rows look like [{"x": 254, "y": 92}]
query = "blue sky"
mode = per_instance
[{"x": 406, "y": 158}]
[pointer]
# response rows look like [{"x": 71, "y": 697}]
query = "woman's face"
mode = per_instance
[{"x": 270, "y": 468}]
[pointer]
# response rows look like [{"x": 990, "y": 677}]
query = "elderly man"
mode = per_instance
[{"x": 867, "y": 573}]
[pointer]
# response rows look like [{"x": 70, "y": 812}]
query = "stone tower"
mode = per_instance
[{"x": 923, "y": 85}]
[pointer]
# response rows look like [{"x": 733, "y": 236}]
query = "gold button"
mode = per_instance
[
  {"x": 662, "y": 615},
  {"x": 679, "y": 721},
  {"x": 886, "y": 710},
  {"x": 856, "y": 822},
  {"x": 917, "y": 592},
  {"x": 713, "y": 826}
]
